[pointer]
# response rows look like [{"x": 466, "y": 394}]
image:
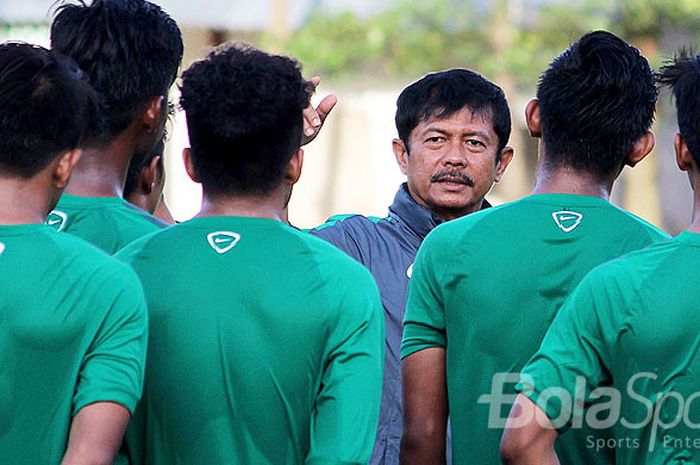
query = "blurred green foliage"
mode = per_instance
[{"x": 513, "y": 38}]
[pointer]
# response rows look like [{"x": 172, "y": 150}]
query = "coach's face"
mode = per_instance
[{"x": 451, "y": 163}]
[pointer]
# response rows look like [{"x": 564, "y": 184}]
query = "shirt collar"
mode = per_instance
[{"x": 416, "y": 217}]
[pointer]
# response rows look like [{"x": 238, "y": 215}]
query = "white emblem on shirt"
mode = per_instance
[
  {"x": 57, "y": 220},
  {"x": 409, "y": 271},
  {"x": 223, "y": 241},
  {"x": 567, "y": 220},
  {"x": 2, "y": 248}
]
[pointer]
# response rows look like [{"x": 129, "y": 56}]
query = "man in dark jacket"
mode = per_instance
[{"x": 453, "y": 128}]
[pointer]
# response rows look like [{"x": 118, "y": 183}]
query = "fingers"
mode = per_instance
[{"x": 325, "y": 106}]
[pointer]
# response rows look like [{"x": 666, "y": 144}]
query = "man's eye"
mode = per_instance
[
  {"x": 435, "y": 140},
  {"x": 475, "y": 143}
]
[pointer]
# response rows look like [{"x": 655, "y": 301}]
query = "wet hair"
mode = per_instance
[
  {"x": 596, "y": 100},
  {"x": 46, "y": 108},
  {"x": 244, "y": 117},
  {"x": 130, "y": 49}
]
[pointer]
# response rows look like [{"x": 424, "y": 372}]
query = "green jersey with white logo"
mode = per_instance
[
  {"x": 486, "y": 288},
  {"x": 73, "y": 332},
  {"x": 632, "y": 325},
  {"x": 266, "y": 346},
  {"x": 108, "y": 223}
]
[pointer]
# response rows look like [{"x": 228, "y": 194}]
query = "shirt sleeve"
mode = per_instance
[
  {"x": 424, "y": 321},
  {"x": 113, "y": 368},
  {"x": 344, "y": 423},
  {"x": 573, "y": 359}
]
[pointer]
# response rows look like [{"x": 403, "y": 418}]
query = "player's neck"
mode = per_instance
[
  {"x": 23, "y": 201},
  {"x": 101, "y": 172},
  {"x": 270, "y": 206},
  {"x": 568, "y": 181},
  {"x": 695, "y": 225}
]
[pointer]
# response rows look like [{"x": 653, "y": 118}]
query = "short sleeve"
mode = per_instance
[
  {"x": 573, "y": 358},
  {"x": 424, "y": 322},
  {"x": 113, "y": 368}
]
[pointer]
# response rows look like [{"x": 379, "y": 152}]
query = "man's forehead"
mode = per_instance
[{"x": 465, "y": 115}]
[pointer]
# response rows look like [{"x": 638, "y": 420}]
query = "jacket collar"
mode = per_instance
[{"x": 416, "y": 217}]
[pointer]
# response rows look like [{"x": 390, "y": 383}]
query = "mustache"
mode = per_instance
[{"x": 453, "y": 176}]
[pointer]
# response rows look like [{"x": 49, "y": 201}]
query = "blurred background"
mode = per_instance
[{"x": 366, "y": 51}]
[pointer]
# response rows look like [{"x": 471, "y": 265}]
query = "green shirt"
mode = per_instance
[
  {"x": 266, "y": 347},
  {"x": 72, "y": 332},
  {"x": 487, "y": 286},
  {"x": 631, "y": 325},
  {"x": 108, "y": 223}
]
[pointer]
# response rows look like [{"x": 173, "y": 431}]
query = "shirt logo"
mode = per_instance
[
  {"x": 2, "y": 248},
  {"x": 223, "y": 241},
  {"x": 567, "y": 220},
  {"x": 409, "y": 271},
  {"x": 57, "y": 220}
]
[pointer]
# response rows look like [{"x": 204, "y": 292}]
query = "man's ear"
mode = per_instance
[
  {"x": 641, "y": 148},
  {"x": 64, "y": 167},
  {"x": 506, "y": 157},
  {"x": 189, "y": 164},
  {"x": 532, "y": 118},
  {"x": 684, "y": 158},
  {"x": 150, "y": 176},
  {"x": 294, "y": 168},
  {"x": 152, "y": 115},
  {"x": 401, "y": 154}
]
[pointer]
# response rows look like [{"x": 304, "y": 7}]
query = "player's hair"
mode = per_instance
[
  {"x": 133, "y": 174},
  {"x": 46, "y": 107},
  {"x": 596, "y": 100},
  {"x": 130, "y": 49},
  {"x": 244, "y": 118},
  {"x": 442, "y": 94},
  {"x": 682, "y": 75}
]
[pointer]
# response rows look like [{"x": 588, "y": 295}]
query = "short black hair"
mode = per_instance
[
  {"x": 244, "y": 118},
  {"x": 46, "y": 107},
  {"x": 130, "y": 49},
  {"x": 442, "y": 94},
  {"x": 596, "y": 100},
  {"x": 682, "y": 75},
  {"x": 133, "y": 174}
]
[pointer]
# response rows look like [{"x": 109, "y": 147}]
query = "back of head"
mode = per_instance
[
  {"x": 130, "y": 49},
  {"x": 46, "y": 107},
  {"x": 442, "y": 94},
  {"x": 596, "y": 100},
  {"x": 244, "y": 117},
  {"x": 683, "y": 77}
]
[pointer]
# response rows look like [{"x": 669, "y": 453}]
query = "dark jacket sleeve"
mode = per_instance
[{"x": 350, "y": 233}]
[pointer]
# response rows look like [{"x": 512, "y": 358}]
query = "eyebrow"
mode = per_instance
[{"x": 482, "y": 134}]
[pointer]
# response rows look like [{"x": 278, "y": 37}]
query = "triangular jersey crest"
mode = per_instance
[
  {"x": 57, "y": 220},
  {"x": 567, "y": 220},
  {"x": 223, "y": 241}
]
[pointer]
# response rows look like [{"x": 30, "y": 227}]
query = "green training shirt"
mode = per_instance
[
  {"x": 108, "y": 223},
  {"x": 266, "y": 347},
  {"x": 631, "y": 325},
  {"x": 72, "y": 332},
  {"x": 487, "y": 286}
]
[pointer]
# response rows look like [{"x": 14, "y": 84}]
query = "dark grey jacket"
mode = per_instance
[{"x": 387, "y": 247}]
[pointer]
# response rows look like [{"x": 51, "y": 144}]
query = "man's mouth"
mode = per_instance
[{"x": 453, "y": 179}]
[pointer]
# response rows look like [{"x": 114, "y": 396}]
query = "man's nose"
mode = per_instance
[{"x": 456, "y": 155}]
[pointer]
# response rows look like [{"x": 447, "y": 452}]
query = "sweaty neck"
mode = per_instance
[
  {"x": 101, "y": 172},
  {"x": 568, "y": 181},
  {"x": 24, "y": 201},
  {"x": 271, "y": 206}
]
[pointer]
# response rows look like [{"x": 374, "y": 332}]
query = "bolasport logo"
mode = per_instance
[{"x": 657, "y": 414}]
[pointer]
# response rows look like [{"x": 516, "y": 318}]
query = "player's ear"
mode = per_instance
[
  {"x": 503, "y": 162},
  {"x": 152, "y": 115},
  {"x": 401, "y": 154},
  {"x": 294, "y": 168},
  {"x": 684, "y": 159},
  {"x": 189, "y": 164},
  {"x": 64, "y": 167},
  {"x": 150, "y": 176},
  {"x": 640, "y": 149},
  {"x": 532, "y": 118}
]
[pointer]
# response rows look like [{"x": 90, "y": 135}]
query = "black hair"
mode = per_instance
[
  {"x": 596, "y": 100},
  {"x": 682, "y": 75},
  {"x": 133, "y": 174},
  {"x": 442, "y": 94},
  {"x": 244, "y": 118},
  {"x": 46, "y": 107},
  {"x": 130, "y": 49}
]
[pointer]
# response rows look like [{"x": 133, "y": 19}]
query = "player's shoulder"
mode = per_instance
[
  {"x": 474, "y": 225},
  {"x": 634, "y": 222}
]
